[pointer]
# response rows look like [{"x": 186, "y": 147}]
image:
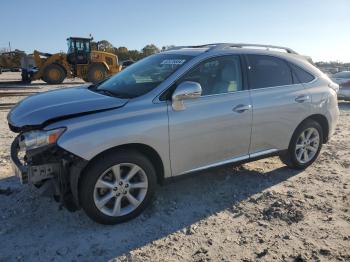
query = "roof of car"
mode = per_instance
[
  {"x": 186, "y": 51},
  {"x": 228, "y": 46},
  {"x": 238, "y": 48},
  {"x": 302, "y": 61}
]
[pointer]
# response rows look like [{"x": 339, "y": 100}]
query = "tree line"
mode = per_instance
[{"x": 124, "y": 53}]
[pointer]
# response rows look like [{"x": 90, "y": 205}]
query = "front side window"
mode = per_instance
[
  {"x": 217, "y": 75},
  {"x": 144, "y": 75},
  {"x": 267, "y": 71}
]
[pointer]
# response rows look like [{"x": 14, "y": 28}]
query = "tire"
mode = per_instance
[
  {"x": 54, "y": 74},
  {"x": 93, "y": 190},
  {"x": 297, "y": 145},
  {"x": 26, "y": 78},
  {"x": 96, "y": 73}
]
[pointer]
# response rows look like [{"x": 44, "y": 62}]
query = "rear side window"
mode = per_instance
[
  {"x": 300, "y": 75},
  {"x": 267, "y": 71}
]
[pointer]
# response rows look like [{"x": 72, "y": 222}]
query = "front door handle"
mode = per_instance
[
  {"x": 302, "y": 98},
  {"x": 241, "y": 108}
]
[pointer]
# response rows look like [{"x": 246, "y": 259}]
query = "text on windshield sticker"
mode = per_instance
[{"x": 173, "y": 62}]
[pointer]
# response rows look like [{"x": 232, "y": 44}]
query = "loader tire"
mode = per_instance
[
  {"x": 54, "y": 74},
  {"x": 96, "y": 73}
]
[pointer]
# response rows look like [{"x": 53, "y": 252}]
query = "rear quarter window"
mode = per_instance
[{"x": 300, "y": 75}]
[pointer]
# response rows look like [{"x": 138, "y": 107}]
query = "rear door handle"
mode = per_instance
[
  {"x": 241, "y": 108},
  {"x": 302, "y": 98}
]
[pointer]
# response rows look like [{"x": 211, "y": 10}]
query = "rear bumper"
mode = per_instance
[{"x": 333, "y": 117}]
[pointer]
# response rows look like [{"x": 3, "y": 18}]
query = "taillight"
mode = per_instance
[{"x": 334, "y": 86}]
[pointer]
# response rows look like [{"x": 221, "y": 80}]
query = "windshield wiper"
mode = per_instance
[
  {"x": 94, "y": 86},
  {"x": 111, "y": 93}
]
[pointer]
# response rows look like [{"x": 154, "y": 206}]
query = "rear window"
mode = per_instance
[
  {"x": 344, "y": 74},
  {"x": 300, "y": 75},
  {"x": 267, "y": 71}
]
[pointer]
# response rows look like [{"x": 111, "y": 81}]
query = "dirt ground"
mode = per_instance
[{"x": 261, "y": 211}]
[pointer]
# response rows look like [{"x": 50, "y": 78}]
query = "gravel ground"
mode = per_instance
[{"x": 261, "y": 211}]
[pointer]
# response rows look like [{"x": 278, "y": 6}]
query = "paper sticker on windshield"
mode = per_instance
[{"x": 173, "y": 62}]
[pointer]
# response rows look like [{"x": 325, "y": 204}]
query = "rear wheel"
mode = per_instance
[
  {"x": 54, "y": 74},
  {"x": 96, "y": 73},
  {"x": 117, "y": 187},
  {"x": 304, "y": 146}
]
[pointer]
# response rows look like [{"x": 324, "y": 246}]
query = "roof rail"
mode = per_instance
[
  {"x": 218, "y": 46},
  {"x": 190, "y": 46},
  {"x": 242, "y": 45}
]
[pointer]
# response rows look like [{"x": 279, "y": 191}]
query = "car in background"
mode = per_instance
[{"x": 343, "y": 80}]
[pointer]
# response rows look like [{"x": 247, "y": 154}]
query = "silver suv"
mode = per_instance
[{"x": 105, "y": 147}]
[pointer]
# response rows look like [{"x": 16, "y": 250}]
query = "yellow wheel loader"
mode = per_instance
[{"x": 80, "y": 61}]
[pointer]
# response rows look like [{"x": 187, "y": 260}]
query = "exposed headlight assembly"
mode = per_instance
[{"x": 39, "y": 138}]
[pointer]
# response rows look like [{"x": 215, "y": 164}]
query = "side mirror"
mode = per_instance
[{"x": 185, "y": 90}]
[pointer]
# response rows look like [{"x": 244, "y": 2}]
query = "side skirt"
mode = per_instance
[{"x": 234, "y": 161}]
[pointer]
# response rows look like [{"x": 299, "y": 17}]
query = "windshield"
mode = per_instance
[
  {"x": 80, "y": 45},
  {"x": 143, "y": 76}
]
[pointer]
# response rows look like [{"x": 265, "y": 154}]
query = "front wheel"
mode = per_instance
[
  {"x": 305, "y": 145},
  {"x": 96, "y": 73},
  {"x": 54, "y": 74},
  {"x": 117, "y": 187}
]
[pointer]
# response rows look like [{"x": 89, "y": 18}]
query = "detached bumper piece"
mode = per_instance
[
  {"x": 32, "y": 174},
  {"x": 20, "y": 170}
]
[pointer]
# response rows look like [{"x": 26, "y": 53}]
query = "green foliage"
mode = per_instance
[
  {"x": 150, "y": 50},
  {"x": 124, "y": 53}
]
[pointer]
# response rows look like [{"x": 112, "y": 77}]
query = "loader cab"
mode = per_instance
[{"x": 79, "y": 50}]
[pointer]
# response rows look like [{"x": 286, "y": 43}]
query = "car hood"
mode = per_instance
[{"x": 41, "y": 109}]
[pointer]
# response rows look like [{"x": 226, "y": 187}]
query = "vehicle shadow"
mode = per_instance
[{"x": 175, "y": 207}]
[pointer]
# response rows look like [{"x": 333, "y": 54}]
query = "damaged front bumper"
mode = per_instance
[
  {"x": 33, "y": 174},
  {"x": 53, "y": 170}
]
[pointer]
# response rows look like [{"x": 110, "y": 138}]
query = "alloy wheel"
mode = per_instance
[
  {"x": 120, "y": 189},
  {"x": 307, "y": 145}
]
